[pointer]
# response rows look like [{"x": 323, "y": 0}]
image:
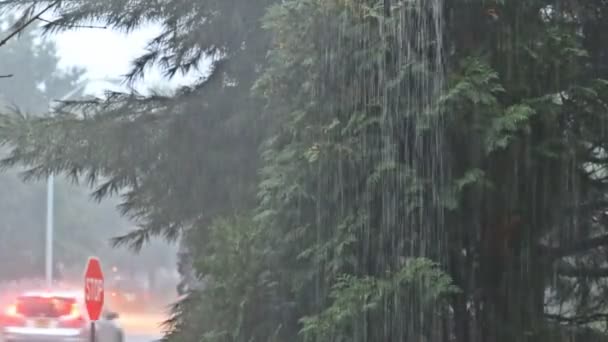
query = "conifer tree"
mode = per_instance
[{"x": 429, "y": 170}]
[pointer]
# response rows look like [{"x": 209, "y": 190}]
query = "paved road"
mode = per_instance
[
  {"x": 141, "y": 338},
  {"x": 141, "y": 327}
]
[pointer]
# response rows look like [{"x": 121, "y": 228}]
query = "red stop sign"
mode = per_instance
[{"x": 93, "y": 288}]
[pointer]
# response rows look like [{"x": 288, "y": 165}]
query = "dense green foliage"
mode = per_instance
[{"x": 354, "y": 170}]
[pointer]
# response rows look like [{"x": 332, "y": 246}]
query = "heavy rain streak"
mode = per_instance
[{"x": 304, "y": 170}]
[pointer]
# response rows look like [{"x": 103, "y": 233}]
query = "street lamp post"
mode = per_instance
[
  {"x": 49, "y": 230},
  {"x": 50, "y": 196}
]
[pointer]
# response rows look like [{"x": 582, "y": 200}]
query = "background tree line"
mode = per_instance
[
  {"x": 83, "y": 227},
  {"x": 354, "y": 170}
]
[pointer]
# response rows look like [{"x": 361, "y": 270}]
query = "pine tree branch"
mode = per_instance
[
  {"x": 583, "y": 319},
  {"x": 72, "y": 26},
  {"x": 578, "y": 247},
  {"x": 28, "y": 23},
  {"x": 584, "y": 272}
]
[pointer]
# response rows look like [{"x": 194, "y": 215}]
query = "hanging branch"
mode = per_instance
[
  {"x": 72, "y": 26},
  {"x": 586, "y": 272},
  {"x": 28, "y": 22},
  {"x": 580, "y": 246},
  {"x": 578, "y": 320},
  {"x": 6, "y": 76}
]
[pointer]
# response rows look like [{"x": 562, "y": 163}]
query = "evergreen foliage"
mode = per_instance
[{"x": 340, "y": 176}]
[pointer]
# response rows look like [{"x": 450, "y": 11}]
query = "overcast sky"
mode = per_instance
[{"x": 106, "y": 53}]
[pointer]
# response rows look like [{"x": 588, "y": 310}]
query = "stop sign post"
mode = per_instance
[{"x": 93, "y": 291}]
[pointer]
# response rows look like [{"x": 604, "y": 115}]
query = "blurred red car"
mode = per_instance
[
  {"x": 126, "y": 296},
  {"x": 54, "y": 316}
]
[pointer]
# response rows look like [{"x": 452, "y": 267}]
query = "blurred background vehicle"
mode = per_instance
[
  {"x": 127, "y": 296},
  {"x": 55, "y": 316}
]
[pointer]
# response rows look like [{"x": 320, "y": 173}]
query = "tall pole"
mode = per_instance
[
  {"x": 49, "y": 229},
  {"x": 50, "y": 185},
  {"x": 50, "y": 200}
]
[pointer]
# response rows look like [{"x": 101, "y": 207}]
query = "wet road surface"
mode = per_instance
[
  {"x": 141, "y": 338},
  {"x": 140, "y": 327}
]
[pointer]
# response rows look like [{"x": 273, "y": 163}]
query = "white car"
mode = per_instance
[{"x": 55, "y": 317}]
